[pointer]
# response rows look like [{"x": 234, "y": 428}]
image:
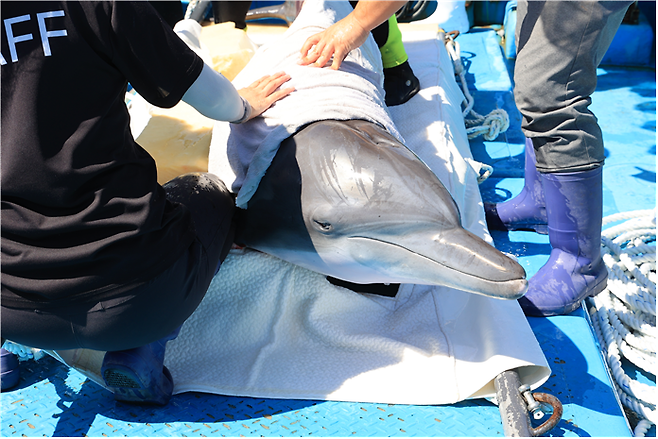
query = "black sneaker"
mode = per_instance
[{"x": 400, "y": 84}]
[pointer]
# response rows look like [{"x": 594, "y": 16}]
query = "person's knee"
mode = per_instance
[
  {"x": 195, "y": 183},
  {"x": 211, "y": 205}
]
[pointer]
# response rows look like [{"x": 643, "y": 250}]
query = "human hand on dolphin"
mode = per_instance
[
  {"x": 264, "y": 92},
  {"x": 347, "y": 34},
  {"x": 337, "y": 41}
]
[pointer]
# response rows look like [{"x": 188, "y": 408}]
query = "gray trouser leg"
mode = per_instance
[{"x": 559, "y": 47}]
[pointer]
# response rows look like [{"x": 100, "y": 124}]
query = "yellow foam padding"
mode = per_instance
[
  {"x": 230, "y": 48},
  {"x": 393, "y": 53},
  {"x": 178, "y": 138}
]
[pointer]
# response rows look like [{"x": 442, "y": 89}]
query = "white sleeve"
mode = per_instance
[{"x": 215, "y": 97}]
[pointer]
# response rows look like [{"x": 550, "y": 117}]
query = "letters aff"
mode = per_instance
[{"x": 44, "y": 34}]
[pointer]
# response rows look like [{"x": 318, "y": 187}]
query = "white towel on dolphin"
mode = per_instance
[
  {"x": 242, "y": 153},
  {"x": 267, "y": 328}
]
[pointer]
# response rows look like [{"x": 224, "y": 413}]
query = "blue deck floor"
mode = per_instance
[{"x": 54, "y": 401}]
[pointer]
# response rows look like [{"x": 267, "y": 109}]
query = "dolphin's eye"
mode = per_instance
[{"x": 324, "y": 226}]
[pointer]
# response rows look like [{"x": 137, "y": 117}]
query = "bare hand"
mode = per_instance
[
  {"x": 264, "y": 92},
  {"x": 347, "y": 34},
  {"x": 337, "y": 41}
]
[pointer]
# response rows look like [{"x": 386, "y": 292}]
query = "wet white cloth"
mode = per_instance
[
  {"x": 242, "y": 153},
  {"x": 267, "y": 328},
  {"x": 271, "y": 329},
  {"x": 433, "y": 127}
]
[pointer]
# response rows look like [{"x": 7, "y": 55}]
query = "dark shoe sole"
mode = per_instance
[{"x": 128, "y": 387}]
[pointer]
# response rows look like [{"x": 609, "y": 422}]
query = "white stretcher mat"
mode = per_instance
[{"x": 270, "y": 329}]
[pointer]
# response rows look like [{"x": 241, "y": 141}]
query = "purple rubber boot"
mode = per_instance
[
  {"x": 138, "y": 375},
  {"x": 527, "y": 210},
  {"x": 575, "y": 270},
  {"x": 9, "y": 370}
]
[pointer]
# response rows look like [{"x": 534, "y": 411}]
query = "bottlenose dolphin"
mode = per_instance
[{"x": 348, "y": 200}]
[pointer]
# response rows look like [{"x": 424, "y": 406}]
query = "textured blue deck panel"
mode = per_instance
[
  {"x": 490, "y": 84},
  {"x": 579, "y": 379},
  {"x": 53, "y": 401}
]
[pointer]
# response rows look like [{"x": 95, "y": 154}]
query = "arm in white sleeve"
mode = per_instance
[{"x": 215, "y": 97}]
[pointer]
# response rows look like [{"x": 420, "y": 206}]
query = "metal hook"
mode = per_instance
[
  {"x": 555, "y": 417},
  {"x": 533, "y": 406},
  {"x": 515, "y": 402},
  {"x": 452, "y": 34}
]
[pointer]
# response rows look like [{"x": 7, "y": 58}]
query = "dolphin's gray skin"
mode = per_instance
[{"x": 346, "y": 199}]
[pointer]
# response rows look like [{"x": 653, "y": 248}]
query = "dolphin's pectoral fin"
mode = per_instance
[{"x": 388, "y": 290}]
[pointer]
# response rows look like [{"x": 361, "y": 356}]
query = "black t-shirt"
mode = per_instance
[{"x": 82, "y": 213}]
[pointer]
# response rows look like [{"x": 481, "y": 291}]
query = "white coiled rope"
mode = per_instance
[
  {"x": 489, "y": 126},
  {"x": 624, "y": 314}
]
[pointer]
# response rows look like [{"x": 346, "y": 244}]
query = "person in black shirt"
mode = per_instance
[
  {"x": 96, "y": 254},
  {"x": 171, "y": 11}
]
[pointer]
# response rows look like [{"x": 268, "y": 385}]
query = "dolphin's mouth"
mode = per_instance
[
  {"x": 479, "y": 267},
  {"x": 434, "y": 261}
]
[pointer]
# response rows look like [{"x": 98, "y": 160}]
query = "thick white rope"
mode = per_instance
[
  {"x": 632, "y": 403},
  {"x": 489, "y": 126},
  {"x": 624, "y": 314}
]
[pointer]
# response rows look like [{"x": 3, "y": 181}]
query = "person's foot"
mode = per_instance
[
  {"x": 9, "y": 370},
  {"x": 575, "y": 269},
  {"x": 400, "y": 84},
  {"x": 560, "y": 286},
  {"x": 138, "y": 375},
  {"x": 526, "y": 211}
]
